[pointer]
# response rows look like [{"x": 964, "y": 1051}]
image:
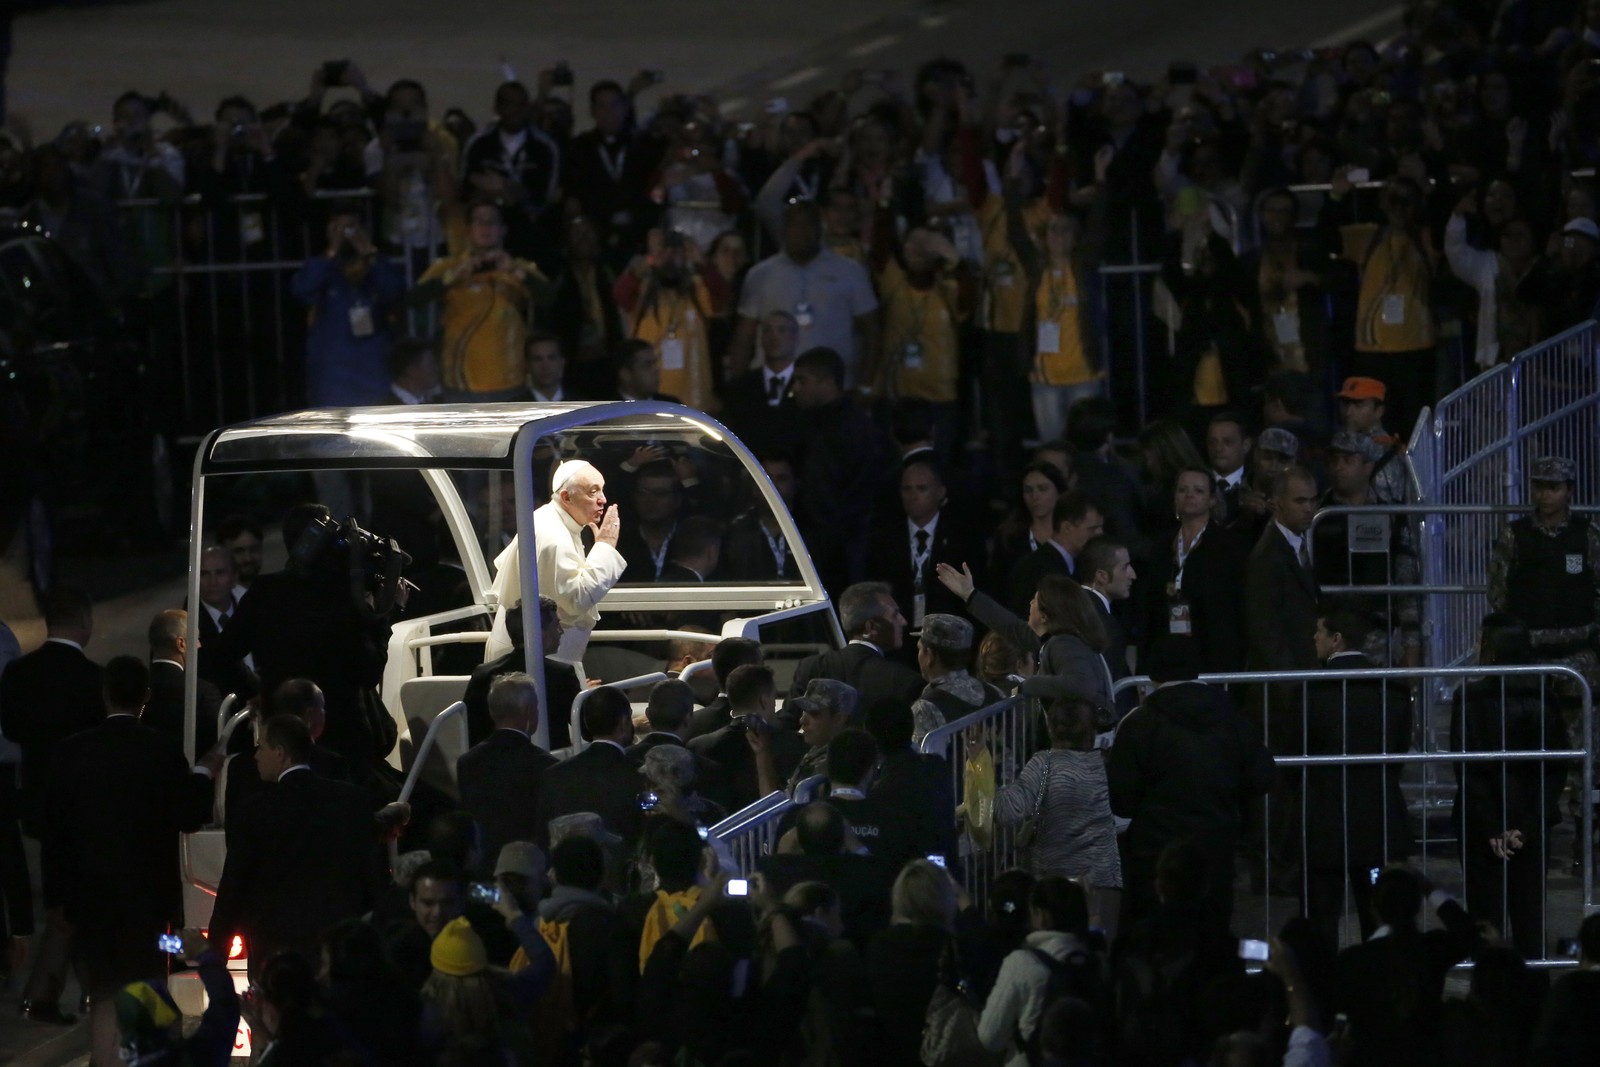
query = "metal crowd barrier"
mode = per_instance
[
  {"x": 1009, "y": 732},
  {"x": 213, "y": 296},
  {"x": 1281, "y": 704},
  {"x": 1484, "y": 435},
  {"x": 752, "y": 832}
]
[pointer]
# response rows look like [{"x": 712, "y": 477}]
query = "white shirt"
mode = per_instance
[
  {"x": 217, "y": 614},
  {"x": 1103, "y": 598},
  {"x": 1072, "y": 564},
  {"x": 783, "y": 376},
  {"x": 575, "y": 581},
  {"x": 63, "y": 641},
  {"x": 406, "y": 396},
  {"x": 555, "y": 397},
  {"x": 287, "y": 771},
  {"x": 835, "y": 289},
  {"x": 238, "y": 593},
  {"x": 912, "y": 528},
  {"x": 868, "y": 644},
  {"x": 1230, "y": 480},
  {"x": 1290, "y": 536}
]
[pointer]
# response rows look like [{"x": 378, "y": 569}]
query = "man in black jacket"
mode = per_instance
[
  {"x": 919, "y": 784},
  {"x": 1078, "y": 520},
  {"x": 757, "y": 404},
  {"x": 842, "y": 460},
  {"x": 600, "y": 779},
  {"x": 872, "y": 621},
  {"x": 45, "y": 697},
  {"x": 500, "y": 776},
  {"x": 1355, "y": 816},
  {"x": 1108, "y": 575},
  {"x": 1183, "y": 765},
  {"x": 1392, "y": 987},
  {"x": 300, "y": 698},
  {"x": 917, "y": 536},
  {"x": 302, "y": 855},
  {"x": 560, "y": 683},
  {"x": 752, "y": 698},
  {"x": 303, "y": 622},
  {"x": 111, "y": 842},
  {"x": 728, "y": 655},
  {"x": 169, "y": 660}
]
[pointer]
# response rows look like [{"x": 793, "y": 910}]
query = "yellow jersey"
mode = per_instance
[
  {"x": 676, "y": 325},
  {"x": 921, "y": 348},
  {"x": 1394, "y": 309},
  {"x": 484, "y": 324},
  {"x": 1059, "y": 358}
]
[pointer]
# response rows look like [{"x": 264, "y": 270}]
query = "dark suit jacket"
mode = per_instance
[
  {"x": 1213, "y": 582},
  {"x": 1392, "y": 988},
  {"x": 921, "y": 785},
  {"x": 227, "y": 674},
  {"x": 1116, "y": 653},
  {"x": 764, "y": 428},
  {"x": 164, "y": 712},
  {"x": 1280, "y": 607},
  {"x": 737, "y": 783},
  {"x": 889, "y": 560},
  {"x": 244, "y": 780},
  {"x": 714, "y": 716},
  {"x": 1355, "y": 816},
  {"x": 45, "y": 697},
  {"x": 308, "y": 628},
  {"x": 303, "y": 855},
  {"x": 600, "y": 779},
  {"x": 499, "y": 779},
  {"x": 874, "y": 676},
  {"x": 110, "y": 855},
  {"x": 560, "y": 686},
  {"x": 1029, "y": 571}
]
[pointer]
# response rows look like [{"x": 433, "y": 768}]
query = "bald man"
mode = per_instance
[
  {"x": 170, "y": 656},
  {"x": 576, "y": 580}
]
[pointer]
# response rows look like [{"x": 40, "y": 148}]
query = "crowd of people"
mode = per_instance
[{"x": 941, "y": 386}]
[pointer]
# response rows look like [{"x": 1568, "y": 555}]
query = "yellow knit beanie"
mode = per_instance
[{"x": 457, "y": 950}]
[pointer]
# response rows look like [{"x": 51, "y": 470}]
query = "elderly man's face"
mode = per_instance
[{"x": 584, "y": 498}]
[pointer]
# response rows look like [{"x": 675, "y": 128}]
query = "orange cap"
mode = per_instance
[{"x": 1362, "y": 389}]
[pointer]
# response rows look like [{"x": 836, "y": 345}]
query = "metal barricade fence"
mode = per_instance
[
  {"x": 1413, "y": 812},
  {"x": 1545, "y": 401},
  {"x": 994, "y": 742},
  {"x": 752, "y": 832},
  {"x": 213, "y": 301}
]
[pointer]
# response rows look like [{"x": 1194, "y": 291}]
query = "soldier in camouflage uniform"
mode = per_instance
[{"x": 1545, "y": 571}]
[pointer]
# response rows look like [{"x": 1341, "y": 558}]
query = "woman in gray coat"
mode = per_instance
[{"x": 1062, "y": 631}]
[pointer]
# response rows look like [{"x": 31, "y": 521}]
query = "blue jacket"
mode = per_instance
[{"x": 341, "y": 368}]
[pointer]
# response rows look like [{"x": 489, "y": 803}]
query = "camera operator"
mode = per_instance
[{"x": 306, "y": 621}]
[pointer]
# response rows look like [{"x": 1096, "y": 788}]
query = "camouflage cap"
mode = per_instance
[
  {"x": 946, "y": 631},
  {"x": 1553, "y": 469},
  {"x": 1277, "y": 439},
  {"x": 826, "y": 694},
  {"x": 581, "y": 824},
  {"x": 1357, "y": 444}
]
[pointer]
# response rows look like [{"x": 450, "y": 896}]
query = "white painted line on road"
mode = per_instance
[
  {"x": 799, "y": 77},
  {"x": 877, "y": 44},
  {"x": 1360, "y": 29}
]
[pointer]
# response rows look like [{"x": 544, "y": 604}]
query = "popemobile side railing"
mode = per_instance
[{"x": 1287, "y": 831}]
